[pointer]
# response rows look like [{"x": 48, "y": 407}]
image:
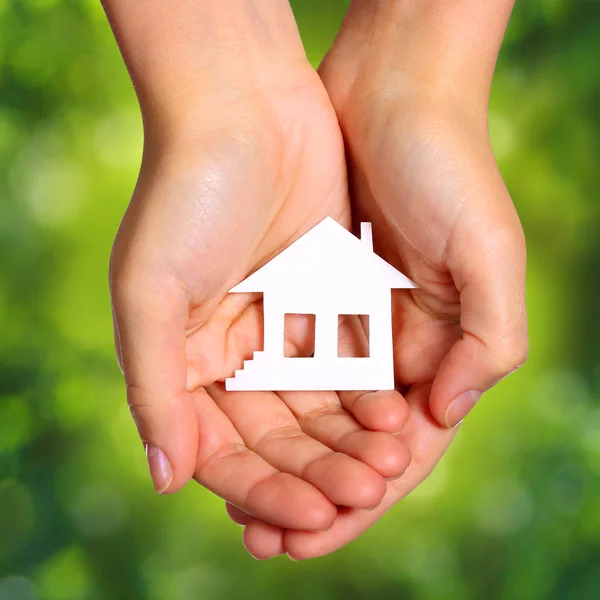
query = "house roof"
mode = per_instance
[{"x": 327, "y": 255}]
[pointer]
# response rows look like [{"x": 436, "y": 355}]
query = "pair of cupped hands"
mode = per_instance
[{"x": 254, "y": 168}]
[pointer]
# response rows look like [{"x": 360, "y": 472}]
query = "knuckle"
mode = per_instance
[
  {"x": 207, "y": 460},
  {"x": 138, "y": 397},
  {"x": 277, "y": 434},
  {"x": 326, "y": 408},
  {"x": 513, "y": 354},
  {"x": 502, "y": 236},
  {"x": 505, "y": 242},
  {"x": 141, "y": 405}
]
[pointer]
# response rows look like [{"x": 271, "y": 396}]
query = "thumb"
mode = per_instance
[
  {"x": 488, "y": 267},
  {"x": 150, "y": 323}
]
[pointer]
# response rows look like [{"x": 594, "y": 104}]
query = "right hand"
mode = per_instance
[{"x": 423, "y": 172}]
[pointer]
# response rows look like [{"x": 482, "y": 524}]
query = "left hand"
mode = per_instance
[{"x": 211, "y": 205}]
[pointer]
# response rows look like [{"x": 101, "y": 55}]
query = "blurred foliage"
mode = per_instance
[{"x": 512, "y": 511}]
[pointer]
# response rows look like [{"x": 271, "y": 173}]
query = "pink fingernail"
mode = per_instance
[
  {"x": 460, "y": 407},
  {"x": 160, "y": 468}
]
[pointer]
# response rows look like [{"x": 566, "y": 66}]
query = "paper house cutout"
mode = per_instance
[{"x": 327, "y": 272}]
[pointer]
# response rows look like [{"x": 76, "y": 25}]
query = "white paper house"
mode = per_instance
[{"x": 327, "y": 272}]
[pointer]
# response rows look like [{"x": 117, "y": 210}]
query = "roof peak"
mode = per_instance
[{"x": 320, "y": 249}]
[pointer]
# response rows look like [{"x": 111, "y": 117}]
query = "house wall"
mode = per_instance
[
  {"x": 274, "y": 318},
  {"x": 327, "y": 305}
]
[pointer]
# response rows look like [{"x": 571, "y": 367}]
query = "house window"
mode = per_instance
[
  {"x": 353, "y": 336},
  {"x": 299, "y": 336}
]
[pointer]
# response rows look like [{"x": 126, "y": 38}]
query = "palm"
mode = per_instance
[
  {"x": 425, "y": 327},
  {"x": 199, "y": 227},
  {"x": 406, "y": 181},
  {"x": 412, "y": 233}
]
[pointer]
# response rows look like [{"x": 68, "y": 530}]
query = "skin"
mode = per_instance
[
  {"x": 215, "y": 200},
  {"x": 422, "y": 170},
  {"x": 243, "y": 154}
]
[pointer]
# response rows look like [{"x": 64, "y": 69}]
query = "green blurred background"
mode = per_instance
[{"x": 513, "y": 511}]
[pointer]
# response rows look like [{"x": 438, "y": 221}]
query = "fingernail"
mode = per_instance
[
  {"x": 160, "y": 468},
  {"x": 460, "y": 407}
]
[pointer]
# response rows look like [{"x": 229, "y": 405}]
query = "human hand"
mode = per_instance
[
  {"x": 422, "y": 171},
  {"x": 216, "y": 199}
]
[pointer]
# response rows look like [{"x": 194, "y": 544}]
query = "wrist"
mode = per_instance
[
  {"x": 188, "y": 57},
  {"x": 439, "y": 49}
]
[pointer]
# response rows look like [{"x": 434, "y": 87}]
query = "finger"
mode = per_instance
[
  {"x": 427, "y": 441},
  {"x": 321, "y": 417},
  {"x": 150, "y": 324},
  {"x": 379, "y": 411},
  {"x": 271, "y": 430},
  {"x": 237, "y": 515},
  {"x": 189, "y": 429},
  {"x": 263, "y": 541},
  {"x": 493, "y": 318},
  {"x": 237, "y": 327},
  {"x": 243, "y": 478}
]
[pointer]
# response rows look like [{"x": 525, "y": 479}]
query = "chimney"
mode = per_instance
[{"x": 366, "y": 235}]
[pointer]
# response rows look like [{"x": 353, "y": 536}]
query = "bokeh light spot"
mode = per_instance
[
  {"x": 15, "y": 423},
  {"x": 561, "y": 396},
  {"x": 65, "y": 576},
  {"x": 55, "y": 192},
  {"x": 502, "y": 507},
  {"x": 16, "y": 587},
  {"x": 17, "y": 513},
  {"x": 98, "y": 511}
]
